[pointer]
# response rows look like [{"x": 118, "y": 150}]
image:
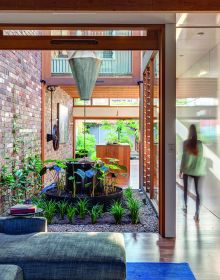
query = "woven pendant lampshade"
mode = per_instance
[{"x": 85, "y": 66}]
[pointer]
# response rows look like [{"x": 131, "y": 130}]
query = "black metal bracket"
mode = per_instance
[{"x": 51, "y": 88}]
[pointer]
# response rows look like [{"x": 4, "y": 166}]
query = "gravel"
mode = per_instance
[{"x": 148, "y": 222}]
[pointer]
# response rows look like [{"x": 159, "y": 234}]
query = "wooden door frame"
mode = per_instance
[
  {"x": 162, "y": 128},
  {"x": 111, "y": 6},
  {"x": 79, "y": 42},
  {"x": 156, "y": 41}
]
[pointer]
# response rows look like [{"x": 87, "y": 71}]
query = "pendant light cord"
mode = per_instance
[
  {"x": 51, "y": 111},
  {"x": 84, "y": 128}
]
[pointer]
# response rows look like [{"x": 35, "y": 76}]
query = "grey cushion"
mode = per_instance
[
  {"x": 66, "y": 256},
  {"x": 10, "y": 272},
  {"x": 21, "y": 225}
]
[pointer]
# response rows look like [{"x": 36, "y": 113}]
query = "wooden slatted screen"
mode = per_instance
[{"x": 148, "y": 128}]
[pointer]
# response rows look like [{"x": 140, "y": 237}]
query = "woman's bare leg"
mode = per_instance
[{"x": 185, "y": 190}]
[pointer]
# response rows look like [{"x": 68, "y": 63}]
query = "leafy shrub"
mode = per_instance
[
  {"x": 70, "y": 212},
  {"x": 49, "y": 210},
  {"x": 128, "y": 193},
  {"x": 134, "y": 208},
  {"x": 7, "y": 179},
  {"x": 121, "y": 130},
  {"x": 89, "y": 144},
  {"x": 39, "y": 201},
  {"x": 96, "y": 212},
  {"x": 61, "y": 207},
  {"x": 82, "y": 208},
  {"x": 19, "y": 179},
  {"x": 118, "y": 211},
  {"x": 35, "y": 200},
  {"x": 27, "y": 177}
]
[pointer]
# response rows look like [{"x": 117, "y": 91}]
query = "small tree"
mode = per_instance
[
  {"x": 89, "y": 143},
  {"x": 121, "y": 130}
]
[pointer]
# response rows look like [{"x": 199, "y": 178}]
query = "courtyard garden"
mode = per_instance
[
  {"x": 83, "y": 195},
  {"x": 105, "y": 131},
  {"x": 131, "y": 214}
]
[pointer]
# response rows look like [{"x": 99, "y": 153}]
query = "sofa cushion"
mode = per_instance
[
  {"x": 10, "y": 272},
  {"x": 71, "y": 256}
]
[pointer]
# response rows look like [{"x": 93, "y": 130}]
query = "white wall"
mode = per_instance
[
  {"x": 170, "y": 130},
  {"x": 126, "y": 112}
]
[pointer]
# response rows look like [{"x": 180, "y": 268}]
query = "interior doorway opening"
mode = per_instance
[
  {"x": 153, "y": 40},
  {"x": 101, "y": 132}
]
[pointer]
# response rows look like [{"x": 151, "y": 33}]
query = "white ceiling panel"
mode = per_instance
[
  {"x": 195, "y": 51},
  {"x": 95, "y": 18},
  {"x": 200, "y": 19}
]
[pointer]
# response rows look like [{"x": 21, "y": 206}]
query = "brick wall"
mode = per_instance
[
  {"x": 20, "y": 99},
  {"x": 65, "y": 150}
]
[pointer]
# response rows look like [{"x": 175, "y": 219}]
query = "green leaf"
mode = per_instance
[{"x": 71, "y": 159}]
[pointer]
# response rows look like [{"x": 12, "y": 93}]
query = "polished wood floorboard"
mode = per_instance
[{"x": 196, "y": 243}]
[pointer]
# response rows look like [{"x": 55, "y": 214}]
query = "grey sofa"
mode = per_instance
[
  {"x": 16, "y": 225},
  {"x": 10, "y": 272},
  {"x": 65, "y": 256}
]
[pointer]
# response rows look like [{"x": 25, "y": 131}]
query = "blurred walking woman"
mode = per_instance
[{"x": 192, "y": 165}]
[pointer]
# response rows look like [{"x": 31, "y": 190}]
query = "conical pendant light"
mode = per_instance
[{"x": 85, "y": 66}]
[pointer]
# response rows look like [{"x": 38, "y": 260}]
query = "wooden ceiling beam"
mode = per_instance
[
  {"x": 106, "y": 91},
  {"x": 111, "y": 5},
  {"x": 149, "y": 42}
]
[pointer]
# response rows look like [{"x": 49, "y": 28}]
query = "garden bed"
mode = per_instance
[
  {"x": 105, "y": 200},
  {"x": 106, "y": 223}
]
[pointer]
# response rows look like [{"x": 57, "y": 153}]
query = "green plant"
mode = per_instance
[
  {"x": 70, "y": 212},
  {"x": 134, "y": 208},
  {"x": 18, "y": 181},
  {"x": 59, "y": 166},
  {"x": 73, "y": 179},
  {"x": 62, "y": 206},
  {"x": 61, "y": 182},
  {"x": 27, "y": 177},
  {"x": 7, "y": 183},
  {"x": 20, "y": 175},
  {"x": 114, "y": 169},
  {"x": 39, "y": 201},
  {"x": 56, "y": 162},
  {"x": 7, "y": 179},
  {"x": 133, "y": 128},
  {"x": 49, "y": 210},
  {"x": 96, "y": 212},
  {"x": 121, "y": 130},
  {"x": 89, "y": 143},
  {"x": 118, "y": 211},
  {"x": 82, "y": 208},
  {"x": 128, "y": 193},
  {"x": 107, "y": 174}
]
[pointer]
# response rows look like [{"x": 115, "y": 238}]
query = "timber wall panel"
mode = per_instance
[{"x": 107, "y": 91}]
